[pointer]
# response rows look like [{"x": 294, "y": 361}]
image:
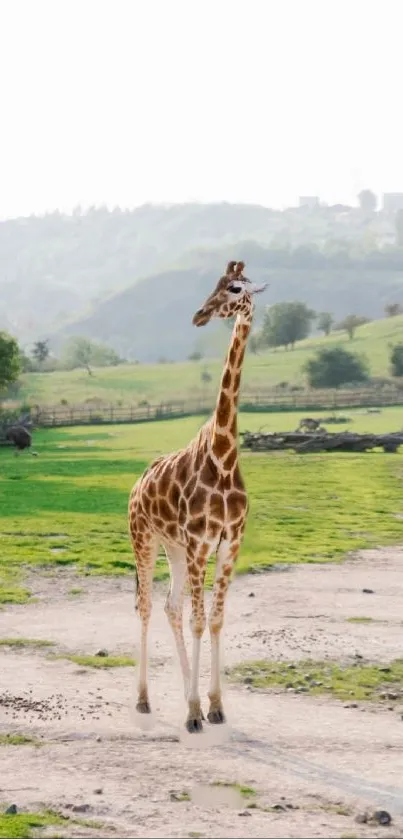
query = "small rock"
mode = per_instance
[
  {"x": 102, "y": 653},
  {"x": 80, "y": 808},
  {"x": 278, "y": 808},
  {"x": 368, "y": 591},
  {"x": 251, "y": 594},
  {"x": 245, "y": 813},
  {"x": 98, "y": 739},
  {"x": 248, "y": 680},
  {"x": 382, "y": 817},
  {"x": 98, "y": 791},
  {"x": 11, "y": 810},
  {"x": 362, "y": 818}
]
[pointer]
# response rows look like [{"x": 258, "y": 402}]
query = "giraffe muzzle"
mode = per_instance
[{"x": 201, "y": 318}]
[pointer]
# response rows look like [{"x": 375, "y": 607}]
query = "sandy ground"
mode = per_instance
[{"x": 319, "y": 762}]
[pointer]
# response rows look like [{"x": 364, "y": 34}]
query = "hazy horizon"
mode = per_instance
[{"x": 125, "y": 103}]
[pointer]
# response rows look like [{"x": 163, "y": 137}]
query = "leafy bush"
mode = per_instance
[
  {"x": 396, "y": 360},
  {"x": 335, "y": 366}
]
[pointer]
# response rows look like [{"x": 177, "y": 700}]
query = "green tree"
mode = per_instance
[
  {"x": 393, "y": 309},
  {"x": 77, "y": 353},
  {"x": 10, "y": 360},
  {"x": 286, "y": 323},
  {"x": 40, "y": 351},
  {"x": 367, "y": 200},
  {"x": 396, "y": 360},
  {"x": 254, "y": 343},
  {"x": 325, "y": 322},
  {"x": 206, "y": 377},
  {"x": 351, "y": 323},
  {"x": 81, "y": 352},
  {"x": 104, "y": 356},
  {"x": 335, "y": 366},
  {"x": 26, "y": 363}
]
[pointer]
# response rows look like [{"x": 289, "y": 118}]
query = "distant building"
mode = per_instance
[
  {"x": 392, "y": 202},
  {"x": 311, "y": 201}
]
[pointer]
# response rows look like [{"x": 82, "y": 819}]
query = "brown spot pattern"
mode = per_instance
[
  {"x": 221, "y": 445},
  {"x": 226, "y": 381},
  {"x": 223, "y": 410}
]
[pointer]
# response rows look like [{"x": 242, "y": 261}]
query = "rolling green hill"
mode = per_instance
[
  {"x": 133, "y": 279},
  {"x": 151, "y": 319},
  {"x": 159, "y": 382}
]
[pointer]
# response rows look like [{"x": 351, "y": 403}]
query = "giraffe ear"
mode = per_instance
[
  {"x": 239, "y": 268},
  {"x": 230, "y": 268}
]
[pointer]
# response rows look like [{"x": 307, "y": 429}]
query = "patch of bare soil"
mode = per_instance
[{"x": 314, "y": 762}]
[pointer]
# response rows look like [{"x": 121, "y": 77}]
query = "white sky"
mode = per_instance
[{"x": 132, "y": 101}]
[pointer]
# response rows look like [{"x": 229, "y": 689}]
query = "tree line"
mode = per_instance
[
  {"x": 288, "y": 322},
  {"x": 283, "y": 325},
  {"x": 77, "y": 353}
]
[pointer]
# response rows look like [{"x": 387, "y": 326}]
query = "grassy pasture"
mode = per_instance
[
  {"x": 68, "y": 507},
  {"x": 160, "y": 382}
]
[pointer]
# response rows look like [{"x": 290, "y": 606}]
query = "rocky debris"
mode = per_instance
[
  {"x": 53, "y": 707},
  {"x": 11, "y": 810},
  {"x": 102, "y": 653},
  {"x": 368, "y": 591},
  {"x": 381, "y": 817}
]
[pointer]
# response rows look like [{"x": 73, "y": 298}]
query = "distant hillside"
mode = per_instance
[
  {"x": 53, "y": 267},
  {"x": 151, "y": 319},
  {"x": 61, "y": 268},
  {"x": 156, "y": 383}
]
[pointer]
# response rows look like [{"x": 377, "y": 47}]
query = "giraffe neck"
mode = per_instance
[{"x": 224, "y": 424}]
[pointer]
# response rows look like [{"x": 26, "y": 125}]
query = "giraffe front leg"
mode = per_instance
[
  {"x": 226, "y": 556},
  {"x": 196, "y": 560}
]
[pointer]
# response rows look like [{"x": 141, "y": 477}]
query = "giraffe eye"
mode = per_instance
[{"x": 235, "y": 289}]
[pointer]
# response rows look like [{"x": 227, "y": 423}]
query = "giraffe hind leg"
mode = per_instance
[
  {"x": 145, "y": 550},
  {"x": 176, "y": 557}
]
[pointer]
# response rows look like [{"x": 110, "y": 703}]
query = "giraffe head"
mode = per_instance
[{"x": 233, "y": 295}]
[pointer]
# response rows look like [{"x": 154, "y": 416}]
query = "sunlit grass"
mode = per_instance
[
  {"x": 67, "y": 509},
  {"x": 161, "y": 382},
  {"x": 359, "y": 681},
  {"x": 99, "y": 662}
]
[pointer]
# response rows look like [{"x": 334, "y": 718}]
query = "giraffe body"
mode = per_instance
[{"x": 194, "y": 502}]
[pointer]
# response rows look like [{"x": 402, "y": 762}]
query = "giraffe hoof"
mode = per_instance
[
  {"x": 143, "y": 707},
  {"x": 194, "y": 725},
  {"x": 216, "y": 717}
]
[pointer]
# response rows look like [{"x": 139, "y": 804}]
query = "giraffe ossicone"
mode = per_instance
[{"x": 194, "y": 503}]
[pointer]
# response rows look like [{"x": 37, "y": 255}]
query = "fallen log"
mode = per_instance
[{"x": 321, "y": 441}]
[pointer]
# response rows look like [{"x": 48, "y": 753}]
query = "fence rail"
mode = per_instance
[{"x": 275, "y": 400}]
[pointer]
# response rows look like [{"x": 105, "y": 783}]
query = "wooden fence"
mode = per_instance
[{"x": 275, "y": 400}]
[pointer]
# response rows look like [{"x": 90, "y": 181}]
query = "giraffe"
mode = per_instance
[{"x": 194, "y": 502}]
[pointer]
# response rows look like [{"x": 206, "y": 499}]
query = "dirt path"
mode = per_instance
[{"x": 317, "y": 761}]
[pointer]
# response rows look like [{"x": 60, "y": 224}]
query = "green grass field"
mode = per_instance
[
  {"x": 160, "y": 382},
  {"x": 68, "y": 507}
]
